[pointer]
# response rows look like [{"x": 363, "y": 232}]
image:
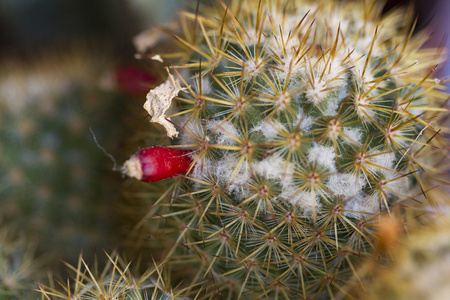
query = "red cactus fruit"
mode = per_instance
[
  {"x": 134, "y": 80},
  {"x": 157, "y": 163}
]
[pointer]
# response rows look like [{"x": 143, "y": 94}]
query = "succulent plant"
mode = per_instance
[
  {"x": 416, "y": 267},
  {"x": 49, "y": 161},
  {"x": 19, "y": 266},
  {"x": 116, "y": 280},
  {"x": 304, "y": 121}
]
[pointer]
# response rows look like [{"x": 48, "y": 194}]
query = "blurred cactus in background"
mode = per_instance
[
  {"x": 19, "y": 266},
  {"x": 154, "y": 12},
  {"x": 306, "y": 122},
  {"x": 49, "y": 161},
  {"x": 62, "y": 73},
  {"x": 116, "y": 280},
  {"x": 417, "y": 266}
]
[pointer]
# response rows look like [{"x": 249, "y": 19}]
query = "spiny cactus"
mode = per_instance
[
  {"x": 304, "y": 121},
  {"x": 116, "y": 280},
  {"x": 19, "y": 266},
  {"x": 49, "y": 161},
  {"x": 417, "y": 267}
]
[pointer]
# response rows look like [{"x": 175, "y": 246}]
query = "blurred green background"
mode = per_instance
[{"x": 28, "y": 26}]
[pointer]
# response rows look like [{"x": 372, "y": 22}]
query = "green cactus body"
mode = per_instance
[{"x": 306, "y": 121}]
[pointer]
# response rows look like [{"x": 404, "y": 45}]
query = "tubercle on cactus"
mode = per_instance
[{"x": 157, "y": 163}]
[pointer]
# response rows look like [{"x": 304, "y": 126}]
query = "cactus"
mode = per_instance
[
  {"x": 49, "y": 161},
  {"x": 417, "y": 267},
  {"x": 19, "y": 266},
  {"x": 305, "y": 121},
  {"x": 115, "y": 281}
]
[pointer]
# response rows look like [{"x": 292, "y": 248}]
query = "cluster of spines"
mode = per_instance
[
  {"x": 387, "y": 127},
  {"x": 117, "y": 280},
  {"x": 19, "y": 265}
]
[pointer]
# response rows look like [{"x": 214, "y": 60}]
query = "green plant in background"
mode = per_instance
[
  {"x": 49, "y": 161},
  {"x": 116, "y": 280},
  {"x": 417, "y": 267},
  {"x": 19, "y": 266},
  {"x": 305, "y": 121},
  {"x": 152, "y": 12}
]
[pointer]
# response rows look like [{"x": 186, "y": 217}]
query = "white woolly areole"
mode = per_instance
[
  {"x": 317, "y": 92},
  {"x": 332, "y": 107},
  {"x": 268, "y": 128},
  {"x": 363, "y": 110},
  {"x": 396, "y": 136},
  {"x": 352, "y": 134},
  {"x": 323, "y": 156},
  {"x": 202, "y": 168},
  {"x": 303, "y": 200},
  {"x": 282, "y": 101},
  {"x": 251, "y": 68},
  {"x": 133, "y": 168},
  {"x": 385, "y": 160},
  {"x": 226, "y": 168},
  {"x": 193, "y": 131},
  {"x": 343, "y": 92},
  {"x": 159, "y": 100},
  {"x": 274, "y": 167},
  {"x": 225, "y": 130},
  {"x": 345, "y": 184},
  {"x": 394, "y": 185},
  {"x": 289, "y": 64},
  {"x": 361, "y": 206},
  {"x": 305, "y": 122}
]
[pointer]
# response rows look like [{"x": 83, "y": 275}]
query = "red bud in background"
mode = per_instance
[
  {"x": 157, "y": 163},
  {"x": 134, "y": 80}
]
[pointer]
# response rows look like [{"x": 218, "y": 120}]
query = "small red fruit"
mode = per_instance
[
  {"x": 134, "y": 80},
  {"x": 157, "y": 163}
]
